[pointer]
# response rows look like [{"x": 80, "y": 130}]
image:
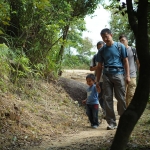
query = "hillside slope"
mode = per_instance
[
  {"x": 48, "y": 115},
  {"x": 35, "y": 111}
]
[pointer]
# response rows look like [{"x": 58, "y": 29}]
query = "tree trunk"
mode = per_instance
[
  {"x": 130, "y": 117},
  {"x": 61, "y": 51}
]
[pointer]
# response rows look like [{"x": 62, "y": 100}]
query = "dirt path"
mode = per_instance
[
  {"x": 84, "y": 140},
  {"x": 88, "y": 139}
]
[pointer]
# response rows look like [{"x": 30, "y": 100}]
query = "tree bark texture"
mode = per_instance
[
  {"x": 134, "y": 111},
  {"x": 64, "y": 38}
]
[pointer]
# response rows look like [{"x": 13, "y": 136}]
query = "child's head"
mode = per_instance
[
  {"x": 100, "y": 44},
  {"x": 90, "y": 79}
]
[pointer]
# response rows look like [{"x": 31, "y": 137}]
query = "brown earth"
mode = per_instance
[
  {"x": 87, "y": 138},
  {"x": 96, "y": 139},
  {"x": 48, "y": 115},
  {"x": 42, "y": 115}
]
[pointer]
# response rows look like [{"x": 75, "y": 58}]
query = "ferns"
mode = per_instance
[{"x": 4, "y": 69}]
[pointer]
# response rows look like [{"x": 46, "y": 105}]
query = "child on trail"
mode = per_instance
[{"x": 92, "y": 101}]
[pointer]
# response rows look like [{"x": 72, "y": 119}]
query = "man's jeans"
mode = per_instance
[
  {"x": 116, "y": 83},
  {"x": 92, "y": 113}
]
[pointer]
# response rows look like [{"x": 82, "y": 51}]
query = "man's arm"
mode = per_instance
[
  {"x": 98, "y": 88},
  {"x": 98, "y": 71},
  {"x": 126, "y": 66},
  {"x": 138, "y": 64},
  {"x": 93, "y": 68},
  {"x": 137, "y": 60},
  {"x": 84, "y": 101}
]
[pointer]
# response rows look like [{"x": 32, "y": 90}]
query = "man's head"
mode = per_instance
[
  {"x": 100, "y": 44},
  {"x": 123, "y": 40},
  {"x": 107, "y": 36}
]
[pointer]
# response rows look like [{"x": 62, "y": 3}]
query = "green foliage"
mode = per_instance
[
  {"x": 51, "y": 66},
  {"x": 3, "y": 86},
  {"x": 5, "y": 68},
  {"x": 85, "y": 47},
  {"x": 36, "y": 33},
  {"x": 22, "y": 68},
  {"x": 81, "y": 59},
  {"x": 75, "y": 62},
  {"x": 4, "y": 13}
]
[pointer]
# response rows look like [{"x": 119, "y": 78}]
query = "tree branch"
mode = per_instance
[{"x": 131, "y": 17}]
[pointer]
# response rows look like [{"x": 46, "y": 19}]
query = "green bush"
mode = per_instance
[{"x": 4, "y": 67}]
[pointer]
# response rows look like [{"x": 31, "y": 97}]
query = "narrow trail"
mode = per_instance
[
  {"x": 82, "y": 140},
  {"x": 67, "y": 140},
  {"x": 88, "y": 138}
]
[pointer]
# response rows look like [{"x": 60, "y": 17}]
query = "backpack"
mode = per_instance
[
  {"x": 134, "y": 53},
  {"x": 94, "y": 60},
  {"x": 132, "y": 48}
]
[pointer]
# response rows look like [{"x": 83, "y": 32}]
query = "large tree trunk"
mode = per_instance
[
  {"x": 130, "y": 117},
  {"x": 64, "y": 38}
]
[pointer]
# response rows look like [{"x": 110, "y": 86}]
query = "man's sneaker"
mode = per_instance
[
  {"x": 94, "y": 127},
  {"x": 111, "y": 127}
]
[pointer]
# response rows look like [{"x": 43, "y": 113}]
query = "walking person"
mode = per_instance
[
  {"x": 133, "y": 65},
  {"x": 93, "y": 67},
  {"x": 115, "y": 60},
  {"x": 92, "y": 102}
]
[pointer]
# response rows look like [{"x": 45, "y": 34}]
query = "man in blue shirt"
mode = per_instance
[{"x": 115, "y": 59}]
